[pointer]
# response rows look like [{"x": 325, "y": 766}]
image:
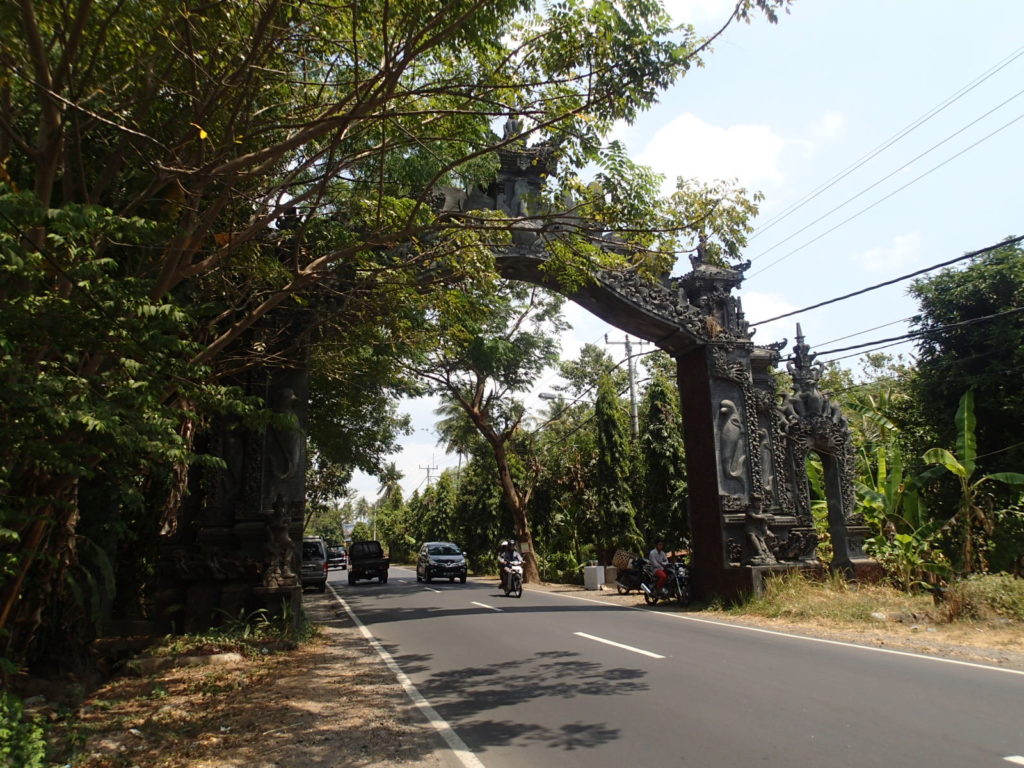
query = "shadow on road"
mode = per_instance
[
  {"x": 485, "y": 703},
  {"x": 465, "y": 696}
]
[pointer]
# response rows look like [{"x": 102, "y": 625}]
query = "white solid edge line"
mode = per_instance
[
  {"x": 485, "y": 605},
  {"x": 619, "y": 645},
  {"x": 1015, "y": 759},
  {"x": 777, "y": 633},
  {"x": 457, "y": 745}
]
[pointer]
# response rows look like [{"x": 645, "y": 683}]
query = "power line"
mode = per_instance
[
  {"x": 866, "y": 330},
  {"x": 886, "y": 177},
  {"x": 891, "y": 194},
  {"x": 889, "y": 142},
  {"x": 876, "y": 286},
  {"x": 925, "y": 331}
]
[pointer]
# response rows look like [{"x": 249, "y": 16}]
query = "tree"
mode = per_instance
[
  {"x": 361, "y": 531},
  {"x": 662, "y": 511},
  {"x": 491, "y": 347},
  {"x": 326, "y": 486},
  {"x": 180, "y": 181},
  {"x": 582, "y": 374},
  {"x": 616, "y": 518},
  {"x": 983, "y": 356}
]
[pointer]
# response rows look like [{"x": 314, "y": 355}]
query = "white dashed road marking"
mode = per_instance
[
  {"x": 431, "y": 589},
  {"x": 1015, "y": 759},
  {"x": 641, "y": 651},
  {"x": 485, "y": 605},
  {"x": 806, "y": 638}
]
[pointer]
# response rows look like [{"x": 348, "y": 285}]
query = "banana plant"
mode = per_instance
[
  {"x": 962, "y": 465},
  {"x": 905, "y": 542}
]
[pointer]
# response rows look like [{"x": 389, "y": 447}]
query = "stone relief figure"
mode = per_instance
[
  {"x": 285, "y": 453},
  {"x": 280, "y": 548},
  {"x": 512, "y": 128},
  {"x": 759, "y": 537},
  {"x": 520, "y": 193},
  {"x": 731, "y": 436}
]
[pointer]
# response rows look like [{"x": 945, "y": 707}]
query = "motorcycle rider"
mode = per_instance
[
  {"x": 659, "y": 560},
  {"x": 507, "y": 557}
]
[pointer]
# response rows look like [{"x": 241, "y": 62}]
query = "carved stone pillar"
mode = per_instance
[{"x": 238, "y": 549}]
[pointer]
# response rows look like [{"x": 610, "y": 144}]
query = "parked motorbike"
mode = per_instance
[
  {"x": 677, "y": 587},
  {"x": 629, "y": 579},
  {"x": 513, "y": 581}
]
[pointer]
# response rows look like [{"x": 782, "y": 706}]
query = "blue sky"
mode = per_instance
[{"x": 785, "y": 108}]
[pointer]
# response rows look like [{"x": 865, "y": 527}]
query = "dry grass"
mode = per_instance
[
  {"x": 835, "y": 600},
  {"x": 991, "y": 598}
]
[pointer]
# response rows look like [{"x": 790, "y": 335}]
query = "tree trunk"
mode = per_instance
[{"x": 516, "y": 505}]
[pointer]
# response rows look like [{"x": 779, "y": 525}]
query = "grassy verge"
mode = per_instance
[{"x": 997, "y": 597}]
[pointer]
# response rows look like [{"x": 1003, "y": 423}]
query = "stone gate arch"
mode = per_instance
[
  {"x": 237, "y": 548},
  {"x": 746, "y": 443}
]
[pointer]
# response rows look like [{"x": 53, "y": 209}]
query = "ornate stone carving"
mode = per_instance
[
  {"x": 655, "y": 299},
  {"x": 280, "y": 548},
  {"x": 732, "y": 503},
  {"x": 799, "y": 545},
  {"x": 734, "y": 551}
]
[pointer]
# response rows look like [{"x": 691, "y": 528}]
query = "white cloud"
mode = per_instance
[
  {"x": 689, "y": 147},
  {"x": 829, "y": 125},
  {"x": 904, "y": 251}
]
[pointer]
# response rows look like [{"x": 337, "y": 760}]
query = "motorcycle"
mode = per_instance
[
  {"x": 629, "y": 579},
  {"x": 512, "y": 583},
  {"x": 677, "y": 587}
]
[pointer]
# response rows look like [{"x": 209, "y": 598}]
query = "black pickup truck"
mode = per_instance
[{"x": 366, "y": 560}]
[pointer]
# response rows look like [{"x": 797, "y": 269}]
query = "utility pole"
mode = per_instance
[
  {"x": 634, "y": 419},
  {"x": 428, "y": 468}
]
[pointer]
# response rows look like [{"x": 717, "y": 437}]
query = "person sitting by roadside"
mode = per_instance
[{"x": 659, "y": 560}]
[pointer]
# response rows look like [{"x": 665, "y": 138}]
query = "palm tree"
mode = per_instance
[{"x": 389, "y": 490}]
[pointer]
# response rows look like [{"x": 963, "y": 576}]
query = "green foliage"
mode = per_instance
[
  {"x": 912, "y": 559},
  {"x": 21, "y": 741},
  {"x": 561, "y": 568},
  {"x": 362, "y": 531},
  {"x": 181, "y": 185},
  {"x": 253, "y": 633},
  {"x": 1007, "y": 543},
  {"x": 982, "y": 356},
  {"x": 973, "y": 514},
  {"x": 616, "y": 518},
  {"x": 662, "y": 510}
]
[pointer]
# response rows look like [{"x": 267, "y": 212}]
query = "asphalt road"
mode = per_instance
[{"x": 537, "y": 681}]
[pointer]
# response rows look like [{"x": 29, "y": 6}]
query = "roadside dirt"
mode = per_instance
[{"x": 333, "y": 702}]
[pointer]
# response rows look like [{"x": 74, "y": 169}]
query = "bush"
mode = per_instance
[
  {"x": 979, "y": 597},
  {"x": 1008, "y": 539},
  {"x": 561, "y": 568},
  {"x": 21, "y": 741}
]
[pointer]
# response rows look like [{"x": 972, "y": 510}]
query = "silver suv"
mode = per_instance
[{"x": 314, "y": 563}]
